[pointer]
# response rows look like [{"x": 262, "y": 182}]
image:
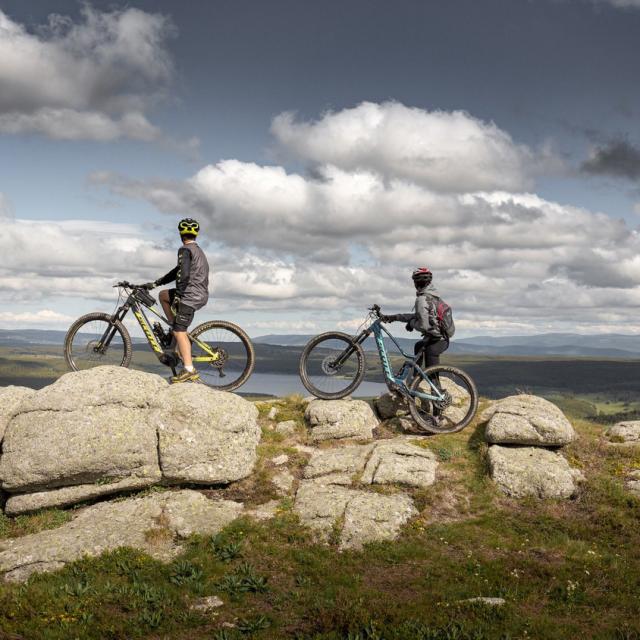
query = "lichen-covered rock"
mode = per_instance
[
  {"x": 347, "y": 460},
  {"x": 321, "y": 506},
  {"x": 369, "y": 517},
  {"x": 106, "y": 444},
  {"x": 354, "y": 517},
  {"x": 399, "y": 462},
  {"x": 527, "y": 420},
  {"x": 286, "y": 427},
  {"x": 98, "y": 387},
  {"x": 67, "y": 496},
  {"x": 206, "y": 436},
  {"x": 283, "y": 482},
  {"x": 153, "y": 523},
  {"x": 632, "y": 482},
  {"x": 628, "y": 431},
  {"x": 532, "y": 471},
  {"x": 389, "y": 404},
  {"x": 340, "y": 419},
  {"x": 110, "y": 429},
  {"x": 10, "y": 399}
]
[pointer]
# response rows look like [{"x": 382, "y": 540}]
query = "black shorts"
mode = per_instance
[{"x": 184, "y": 313}]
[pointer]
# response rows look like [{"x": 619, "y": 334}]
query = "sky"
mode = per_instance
[{"x": 327, "y": 150}]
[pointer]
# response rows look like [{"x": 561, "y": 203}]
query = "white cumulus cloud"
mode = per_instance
[
  {"x": 447, "y": 151},
  {"x": 350, "y": 231},
  {"x": 94, "y": 79}
]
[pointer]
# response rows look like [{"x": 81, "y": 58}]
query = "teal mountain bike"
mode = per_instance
[
  {"x": 222, "y": 352},
  {"x": 440, "y": 399}
]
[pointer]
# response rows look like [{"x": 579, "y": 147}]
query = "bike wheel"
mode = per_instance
[
  {"x": 318, "y": 370},
  {"x": 82, "y": 348},
  {"x": 234, "y": 360},
  {"x": 452, "y": 414}
]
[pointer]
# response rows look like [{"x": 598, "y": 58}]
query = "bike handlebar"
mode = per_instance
[
  {"x": 127, "y": 285},
  {"x": 375, "y": 309}
]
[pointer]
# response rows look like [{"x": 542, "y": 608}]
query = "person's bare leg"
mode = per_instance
[
  {"x": 184, "y": 346},
  {"x": 166, "y": 305}
]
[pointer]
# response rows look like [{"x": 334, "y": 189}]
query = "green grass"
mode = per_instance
[{"x": 567, "y": 569}]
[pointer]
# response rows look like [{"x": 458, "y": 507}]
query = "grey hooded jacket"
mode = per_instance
[{"x": 425, "y": 315}]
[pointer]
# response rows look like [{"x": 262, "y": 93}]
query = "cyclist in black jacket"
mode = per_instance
[{"x": 191, "y": 293}]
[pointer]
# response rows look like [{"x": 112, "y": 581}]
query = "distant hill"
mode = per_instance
[{"x": 611, "y": 345}]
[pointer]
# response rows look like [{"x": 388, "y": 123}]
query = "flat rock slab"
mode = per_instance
[
  {"x": 10, "y": 399},
  {"x": 532, "y": 471},
  {"x": 355, "y": 517},
  {"x": 398, "y": 462},
  {"x": 395, "y": 461},
  {"x": 340, "y": 419},
  {"x": 206, "y": 436},
  {"x": 369, "y": 517},
  {"x": 67, "y": 496},
  {"x": 628, "y": 431},
  {"x": 345, "y": 460},
  {"x": 527, "y": 420},
  {"x": 124, "y": 523}
]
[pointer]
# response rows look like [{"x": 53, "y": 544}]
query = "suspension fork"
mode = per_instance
[
  {"x": 111, "y": 330},
  {"x": 347, "y": 353}
]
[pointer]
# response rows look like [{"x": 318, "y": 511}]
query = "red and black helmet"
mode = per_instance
[{"x": 422, "y": 275}]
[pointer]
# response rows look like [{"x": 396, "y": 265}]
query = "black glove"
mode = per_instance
[
  {"x": 388, "y": 318},
  {"x": 408, "y": 326},
  {"x": 149, "y": 285}
]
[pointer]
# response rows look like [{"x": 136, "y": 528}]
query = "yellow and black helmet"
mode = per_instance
[{"x": 188, "y": 227}]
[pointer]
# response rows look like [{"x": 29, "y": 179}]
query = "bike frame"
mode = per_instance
[
  {"x": 132, "y": 303},
  {"x": 409, "y": 365}
]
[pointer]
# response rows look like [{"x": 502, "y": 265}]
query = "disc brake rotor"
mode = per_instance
[
  {"x": 92, "y": 347},
  {"x": 445, "y": 402},
  {"x": 223, "y": 356},
  {"x": 328, "y": 366}
]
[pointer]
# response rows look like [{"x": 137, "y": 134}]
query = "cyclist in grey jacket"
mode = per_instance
[
  {"x": 191, "y": 293},
  {"x": 424, "y": 318}
]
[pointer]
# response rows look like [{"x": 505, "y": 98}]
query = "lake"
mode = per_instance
[{"x": 283, "y": 384}]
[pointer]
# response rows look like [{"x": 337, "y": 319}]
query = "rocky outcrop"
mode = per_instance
[
  {"x": 527, "y": 420},
  {"x": 356, "y": 517},
  {"x": 91, "y": 430},
  {"x": 340, "y": 419},
  {"x": 625, "y": 432},
  {"x": 154, "y": 523},
  {"x": 388, "y": 405},
  {"x": 395, "y": 461},
  {"x": 333, "y": 499},
  {"x": 205, "y": 436},
  {"x": 10, "y": 399},
  {"x": 532, "y": 471},
  {"x": 110, "y": 429},
  {"x": 531, "y": 464},
  {"x": 398, "y": 462}
]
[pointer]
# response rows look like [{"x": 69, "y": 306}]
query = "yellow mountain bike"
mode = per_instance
[{"x": 222, "y": 352}]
